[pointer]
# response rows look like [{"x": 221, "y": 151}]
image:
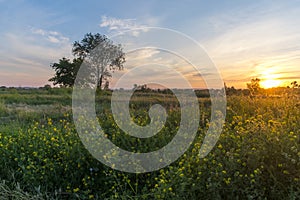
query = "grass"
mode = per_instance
[{"x": 42, "y": 157}]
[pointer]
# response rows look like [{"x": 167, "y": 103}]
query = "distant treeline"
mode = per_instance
[{"x": 201, "y": 93}]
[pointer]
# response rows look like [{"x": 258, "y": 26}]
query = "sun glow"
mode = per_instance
[
  {"x": 270, "y": 77},
  {"x": 270, "y": 83}
]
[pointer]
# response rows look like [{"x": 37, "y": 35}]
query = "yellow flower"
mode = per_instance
[
  {"x": 227, "y": 181},
  {"x": 285, "y": 172},
  {"x": 76, "y": 190}
]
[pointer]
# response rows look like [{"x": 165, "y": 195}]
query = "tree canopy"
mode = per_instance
[
  {"x": 65, "y": 71},
  {"x": 102, "y": 56}
]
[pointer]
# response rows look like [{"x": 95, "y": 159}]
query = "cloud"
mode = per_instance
[
  {"x": 120, "y": 25},
  {"x": 243, "y": 49},
  {"x": 28, "y": 56},
  {"x": 51, "y": 36},
  {"x": 36, "y": 48}
]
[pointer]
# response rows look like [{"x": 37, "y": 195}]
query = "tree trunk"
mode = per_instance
[{"x": 100, "y": 82}]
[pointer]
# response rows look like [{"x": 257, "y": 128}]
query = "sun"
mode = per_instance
[{"x": 270, "y": 83}]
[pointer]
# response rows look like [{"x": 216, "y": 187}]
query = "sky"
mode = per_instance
[{"x": 244, "y": 39}]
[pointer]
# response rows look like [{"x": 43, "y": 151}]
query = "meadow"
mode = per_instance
[{"x": 256, "y": 157}]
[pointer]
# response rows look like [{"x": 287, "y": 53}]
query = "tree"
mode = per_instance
[
  {"x": 135, "y": 86},
  {"x": 65, "y": 71},
  {"x": 102, "y": 56},
  {"x": 230, "y": 90},
  {"x": 254, "y": 86},
  {"x": 46, "y": 87}
]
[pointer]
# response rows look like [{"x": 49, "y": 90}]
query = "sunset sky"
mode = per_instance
[{"x": 245, "y": 39}]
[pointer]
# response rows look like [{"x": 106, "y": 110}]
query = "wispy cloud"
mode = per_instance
[
  {"x": 51, "y": 36},
  {"x": 117, "y": 25},
  {"x": 30, "y": 54},
  {"x": 36, "y": 48},
  {"x": 243, "y": 49}
]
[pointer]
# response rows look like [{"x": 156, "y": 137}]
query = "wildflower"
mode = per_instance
[
  {"x": 76, "y": 190},
  {"x": 227, "y": 181},
  {"x": 285, "y": 172}
]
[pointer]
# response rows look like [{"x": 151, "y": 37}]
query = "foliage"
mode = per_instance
[
  {"x": 65, "y": 72},
  {"x": 256, "y": 157},
  {"x": 254, "y": 86},
  {"x": 101, "y": 55}
]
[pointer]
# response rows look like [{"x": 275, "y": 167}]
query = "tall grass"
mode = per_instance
[{"x": 257, "y": 155}]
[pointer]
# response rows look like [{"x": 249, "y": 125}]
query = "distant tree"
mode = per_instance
[
  {"x": 102, "y": 56},
  {"x": 142, "y": 88},
  {"x": 254, "y": 86},
  {"x": 47, "y": 86},
  {"x": 135, "y": 86},
  {"x": 230, "y": 90},
  {"x": 65, "y": 71}
]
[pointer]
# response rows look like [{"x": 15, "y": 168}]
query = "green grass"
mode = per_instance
[{"x": 42, "y": 157}]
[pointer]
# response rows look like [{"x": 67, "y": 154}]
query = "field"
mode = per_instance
[{"x": 42, "y": 157}]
